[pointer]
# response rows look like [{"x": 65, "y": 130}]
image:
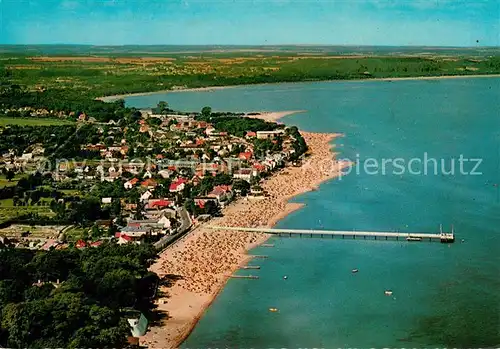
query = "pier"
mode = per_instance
[
  {"x": 244, "y": 276},
  {"x": 365, "y": 235}
]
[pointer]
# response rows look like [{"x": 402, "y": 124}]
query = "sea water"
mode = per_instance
[{"x": 443, "y": 294}]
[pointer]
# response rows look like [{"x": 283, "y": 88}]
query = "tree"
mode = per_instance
[
  {"x": 241, "y": 186},
  {"x": 162, "y": 106},
  {"x": 10, "y": 175},
  {"x": 206, "y": 112}
]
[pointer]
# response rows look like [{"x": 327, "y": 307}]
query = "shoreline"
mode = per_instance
[
  {"x": 205, "y": 258},
  {"x": 112, "y": 98}
]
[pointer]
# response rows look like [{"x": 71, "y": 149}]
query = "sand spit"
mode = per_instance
[{"x": 204, "y": 259}]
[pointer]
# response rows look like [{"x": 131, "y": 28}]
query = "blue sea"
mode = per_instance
[{"x": 443, "y": 294}]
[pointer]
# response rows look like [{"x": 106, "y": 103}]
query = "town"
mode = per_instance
[{"x": 144, "y": 178}]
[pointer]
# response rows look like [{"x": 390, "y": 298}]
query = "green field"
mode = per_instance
[
  {"x": 5, "y": 121},
  {"x": 8, "y": 211},
  {"x": 6, "y": 183},
  {"x": 75, "y": 233},
  {"x": 99, "y": 71}
]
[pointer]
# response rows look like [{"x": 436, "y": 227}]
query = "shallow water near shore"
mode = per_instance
[{"x": 443, "y": 295}]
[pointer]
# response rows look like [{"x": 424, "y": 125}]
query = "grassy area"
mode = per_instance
[
  {"x": 9, "y": 211},
  {"x": 6, "y": 183},
  {"x": 70, "y": 191},
  {"x": 75, "y": 233},
  {"x": 4, "y": 121}
]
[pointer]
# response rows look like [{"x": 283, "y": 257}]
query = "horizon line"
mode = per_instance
[{"x": 250, "y": 45}]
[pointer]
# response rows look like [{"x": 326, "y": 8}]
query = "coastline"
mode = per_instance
[
  {"x": 204, "y": 259},
  {"x": 213, "y": 88}
]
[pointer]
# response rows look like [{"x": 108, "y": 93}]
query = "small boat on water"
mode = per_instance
[
  {"x": 273, "y": 310},
  {"x": 285, "y": 277},
  {"x": 413, "y": 238},
  {"x": 355, "y": 270},
  {"x": 388, "y": 292}
]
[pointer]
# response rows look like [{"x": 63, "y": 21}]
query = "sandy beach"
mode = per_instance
[
  {"x": 213, "y": 88},
  {"x": 203, "y": 260},
  {"x": 274, "y": 116}
]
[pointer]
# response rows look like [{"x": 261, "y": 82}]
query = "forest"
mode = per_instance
[{"x": 73, "y": 298}]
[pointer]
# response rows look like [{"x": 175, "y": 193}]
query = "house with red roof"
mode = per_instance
[
  {"x": 80, "y": 244},
  {"x": 161, "y": 203},
  {"x": 258, "y": 168},
  {"x": 149, "y": 183},
  {"x": 96, "y": 243},
  {"x": 245, "y": 156},
  {"x": 250, "y": 134},
  {"x": 221, "y": 193},
  {"x": 130, "y": 183},
  {"x": 178, "y": 185},
  {"x": 123, "y": 238}
]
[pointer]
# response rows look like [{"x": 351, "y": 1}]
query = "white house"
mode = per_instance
[
  {"x": 106, "y": 200},
  {"x": 146, "y": 196},
  {"x": 165, "y": 222},
  {"x": 244, "y": 173},
  {"x": 130, "y": 183}
]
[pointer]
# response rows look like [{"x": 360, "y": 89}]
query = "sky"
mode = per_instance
[{"x": 251, "y": 22}]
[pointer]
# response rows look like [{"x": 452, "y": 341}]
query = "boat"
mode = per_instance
[
  {"x": 355, "y": 270},
  {"x": 273, "y": 310},
  {"x": 285, "y": 277},
  {"x": 388, "y": 292},
  {"x": 413, "y": 238}
]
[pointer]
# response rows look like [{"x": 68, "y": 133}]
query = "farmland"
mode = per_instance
[{"x": 102, "y": 71}]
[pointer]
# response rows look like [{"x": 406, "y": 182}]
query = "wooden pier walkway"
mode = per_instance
[
  {"x": 244, "y": 276},
  {"x": 374, "y": 235}
]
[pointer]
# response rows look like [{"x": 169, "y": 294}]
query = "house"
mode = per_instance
[
  {"x": 123, "y": 238},
  {"x": 159, "y": 204},
  {"x": 149, "y": 183},
  {"x": 200, "y": 202},
  {"x": 131, "y": 183},
  {"x": 130, "y": 207},
  {"x": 49, "y": 244},
  {"x": 136, "y": 232},
  {"x": 178, "y": 185},
  {"x": 258, "y": 169},
  {"x": 96, "y": 243},
  {"x": 165, "y": 222},
  {"x": 146, "y": 196},
  {"x": 106, "y": 200},
  {"x": 269, "y": 134},
  {"x": 209, "y": 130},
  {"x": 147, "y": 174},
  {"x": 138, "y": 324},
  {"x": 221, "y": 193},
  {"x": 245, "y": 174},
  {"x": 164, "y": 173},
  {"x": 250, "y": 134},
  {"x": 80, "y": 244},
  {"x": 256, "y": 190},
  {"x": 245, "y": 156}
]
